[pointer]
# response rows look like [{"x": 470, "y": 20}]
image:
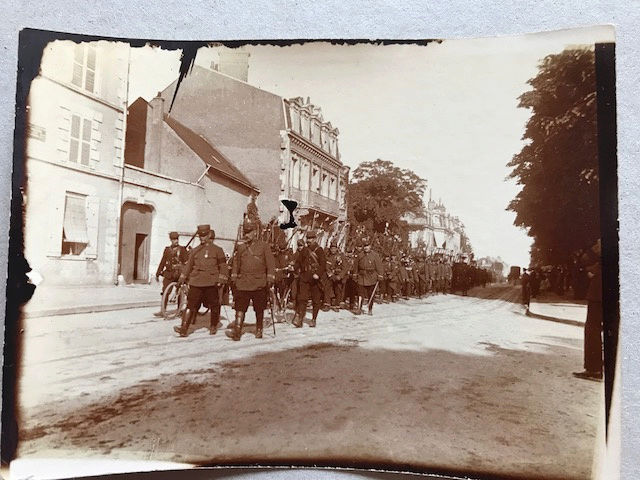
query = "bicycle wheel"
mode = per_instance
[{"x": 170, "y": 306}]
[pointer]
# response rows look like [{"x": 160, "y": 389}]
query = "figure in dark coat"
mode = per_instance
[
  {"x": 311, "y": 265},
  {"x": 253, "y": 273},
  {"x": 206, "y": 272}
]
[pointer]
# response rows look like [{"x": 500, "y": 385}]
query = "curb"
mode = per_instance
[
  {"x": 89, "y": 309},
  {"x": 574, "y": 323}
]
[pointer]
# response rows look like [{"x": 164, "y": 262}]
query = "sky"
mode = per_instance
[{"x": 448, "y": 111}]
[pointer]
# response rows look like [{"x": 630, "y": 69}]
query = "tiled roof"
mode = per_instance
[{"x": 208, "y": 153}]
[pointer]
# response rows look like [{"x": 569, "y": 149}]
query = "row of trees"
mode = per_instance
[{"x": 558, "y": 166}]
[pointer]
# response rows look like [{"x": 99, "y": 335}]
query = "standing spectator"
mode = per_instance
[
  {"x": 593, "y": 324},
  {"x": 526, "y": 288}
]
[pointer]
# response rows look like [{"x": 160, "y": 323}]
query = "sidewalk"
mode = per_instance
[
  {"x": 62, "y": 300},
  {"x": 553, "y": 307}
]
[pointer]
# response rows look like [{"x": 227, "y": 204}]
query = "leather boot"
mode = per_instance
[
  {"x": 235, "y": 332},
  {"x": 259, "y": 323},
  {"x": 358, "y": 309},
  {"x": 314, "y": 317},
  {"x": 215, "y": 319},
  {"x": 298, "y": 318},
  {"x": 183, "y": 329}
]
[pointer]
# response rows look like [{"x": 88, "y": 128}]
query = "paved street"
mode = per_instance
[{"x": 445, "y": 383}]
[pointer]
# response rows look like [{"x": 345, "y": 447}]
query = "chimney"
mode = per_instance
[
  {"x": 157, "y": 108},
  {"x": 155, "y": 120},
  {"x": 234, "y": 62}
]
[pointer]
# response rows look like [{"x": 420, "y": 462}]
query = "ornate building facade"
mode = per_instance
[
  {"x": 436, "y": 230},
  {"x": 312, "y": 172}
]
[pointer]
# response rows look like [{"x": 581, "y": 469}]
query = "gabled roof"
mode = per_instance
[{"x": 208, "y": 153}]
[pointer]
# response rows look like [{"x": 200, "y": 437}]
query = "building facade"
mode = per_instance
[
  {"x": 73, "y": 161},
  {"x": 174, "y": 180},
  {"x": 312, "y": 172},
  {"x": 435, "y": 230},
  {"x": 283, "y": 147}
]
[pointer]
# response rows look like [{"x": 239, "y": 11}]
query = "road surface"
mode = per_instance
[{"x": 447, "y": 383}]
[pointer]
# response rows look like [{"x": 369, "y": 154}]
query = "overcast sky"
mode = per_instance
[{"x": 447, "y": 111}]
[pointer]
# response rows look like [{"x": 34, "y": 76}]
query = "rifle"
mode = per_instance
[
  {"x": 373, "y": 294},
  {"x": 272, "y": 291}
]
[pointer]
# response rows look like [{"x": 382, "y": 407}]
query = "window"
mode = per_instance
[
  {"x": 304, "y": 175},
  {"x": 295, "y": 173},
  {"x": 84, "y": 67},
  {"x": 315, "y": 135},
  {"x": 315, "y": 180},
  {"x": 80, "y": 140},
  {"x": 74, "y": 228},
  {"x": 333, "y": 191},
  {"x": 304, "y": 125},
  {"x": 295, "y": 119},
  {"x": 324, "y": 188}
]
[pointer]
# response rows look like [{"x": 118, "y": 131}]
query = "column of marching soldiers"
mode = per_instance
[{"x": 273, "y": 276}]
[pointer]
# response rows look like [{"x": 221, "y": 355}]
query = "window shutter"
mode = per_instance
[
  {"x": 96, "y": 140},
  {"x": 93, "y": 216},
  {"x": 54, "y": 242},
  {"x": 64, "y": 129}
]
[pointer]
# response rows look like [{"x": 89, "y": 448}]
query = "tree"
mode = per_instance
[
  {"x": 382, "y": 193},
  {"x": 558, "y": 166}
]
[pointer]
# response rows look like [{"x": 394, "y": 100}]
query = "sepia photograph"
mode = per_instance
[{"x": 391, "y": 255}]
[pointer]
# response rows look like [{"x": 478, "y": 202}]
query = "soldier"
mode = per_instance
[
  {"x": 337, "y": 276},
  {"x": 311, "y": 266},
  {"x": 253, "y": 272},
  {"x": 393, "y": 282},
  {"x": 173, "y": 258},
  {"x": 384, "y": 287},
  {"x": 350, "y": 285},
  {"x": 423, "y": 279},
  {"x": 284, "y": 260},
  {"x": 370, "y": 272},
  {"x": 448, "y": 275},
  {"x": 206, "y": 271}
]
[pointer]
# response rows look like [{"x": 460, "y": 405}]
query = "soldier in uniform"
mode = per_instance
[
  {"x": 253, "y": 273},
  {"x": 421, "y": 269},
  {"x": 311, "y": 265},
  {"x": 384, "y": 287},
  {"x": 173, "y": 258},
  {"x": 206, "y": 271},
  {"x": 394, "y": 279},
  {"x": 350, "y": 285},
  {"x": 370, "y": 272},
  {"x": 448, "y": 275},
  {"x": 295, "y": 282},
  {"x": 336, "y": 274}
]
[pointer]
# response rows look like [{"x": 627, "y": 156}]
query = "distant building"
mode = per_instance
[
  {"x": 174, "y": 180},
  {"x": 436, "y": 230},
  {"x": 74, "y": 154},
  {"x": 284, "y": 147}
]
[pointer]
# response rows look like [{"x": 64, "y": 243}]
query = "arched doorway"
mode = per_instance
[{"x": 135, "y": 239}]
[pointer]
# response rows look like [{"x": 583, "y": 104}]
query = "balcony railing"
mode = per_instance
[{"x": 313, "y": 200}]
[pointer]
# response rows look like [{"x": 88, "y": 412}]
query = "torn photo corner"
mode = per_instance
[{"x": 389, "y": 255}]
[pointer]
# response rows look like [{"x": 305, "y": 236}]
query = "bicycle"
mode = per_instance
[{"x": 174, "y": 301}]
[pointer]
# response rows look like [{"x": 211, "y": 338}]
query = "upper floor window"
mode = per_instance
[
  {"x": 84, "y": 67},
  {"x": 295, "y": 119},
  {"x": 80, "y": 140}
]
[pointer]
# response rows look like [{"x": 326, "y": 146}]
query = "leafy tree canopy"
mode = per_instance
[
  {"x": 381, "y": 193},
  {"x": 558, "y": 166}
]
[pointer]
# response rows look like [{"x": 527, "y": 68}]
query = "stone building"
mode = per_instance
[
  {"x": 173, "y": 180},
  {"x": 436, "y": 230},
  {"x": 73, "y": 161},
  {"x": 283, "y": 146}
]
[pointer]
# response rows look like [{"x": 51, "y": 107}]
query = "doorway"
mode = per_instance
[{"x": 135, "y": 238}]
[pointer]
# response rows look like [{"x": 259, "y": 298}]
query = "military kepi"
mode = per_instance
[
  {"x": 173, "y": 235},
  {"x": 204, "y": 230}
]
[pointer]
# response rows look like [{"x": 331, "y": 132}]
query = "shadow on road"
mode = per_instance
[{"x": 505, "y": 414}]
